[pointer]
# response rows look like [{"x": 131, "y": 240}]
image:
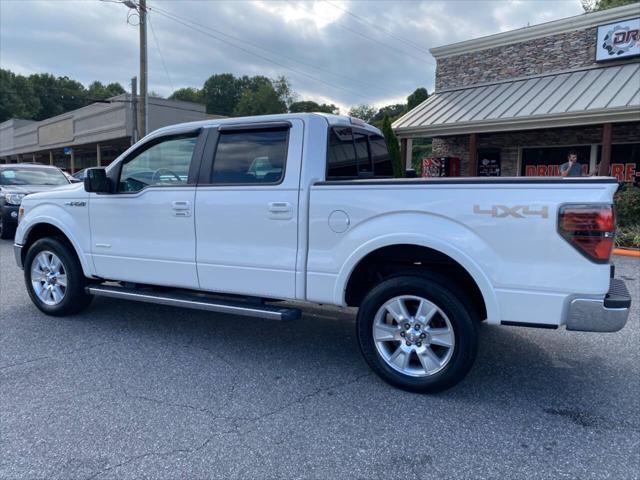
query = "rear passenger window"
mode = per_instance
[
  {"x": 356, "y": 155},
  {"x": 250, "y": 156},
  {"x": 382, "y": 165},
  {"x": 362, "y": 152},
  {"x": 342, "y": 155}
]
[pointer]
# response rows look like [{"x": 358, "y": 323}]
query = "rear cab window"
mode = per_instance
[{"x": 354, "y": 153}]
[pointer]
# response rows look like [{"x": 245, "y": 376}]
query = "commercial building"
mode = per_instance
[
  {"x": 90, "y": 136},
  {"x": 517, "y": 102}
]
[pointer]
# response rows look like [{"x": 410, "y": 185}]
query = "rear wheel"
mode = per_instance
[
  {"x": 416, "y": 334},
  {"x": 54, "y": 278}
]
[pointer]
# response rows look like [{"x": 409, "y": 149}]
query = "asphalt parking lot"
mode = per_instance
[{"x": 129, "y": 390}]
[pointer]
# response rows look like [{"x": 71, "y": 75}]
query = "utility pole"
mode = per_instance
[
  {"x": 142, "y": 10},
  {"x": 134, "y": 110}
]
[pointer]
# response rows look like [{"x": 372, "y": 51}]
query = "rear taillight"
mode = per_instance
[{"x": 589, "y": 228}]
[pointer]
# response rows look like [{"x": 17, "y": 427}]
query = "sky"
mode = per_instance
[{"x": 345, "y": 52}]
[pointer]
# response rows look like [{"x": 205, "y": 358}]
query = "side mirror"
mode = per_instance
[{"x": 95, "y": 180}]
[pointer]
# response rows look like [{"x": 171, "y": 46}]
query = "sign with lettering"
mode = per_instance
[{"x": 618, "y": 40}]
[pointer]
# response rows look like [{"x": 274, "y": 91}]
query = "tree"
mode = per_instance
[
  {"x": 363, "y": 112},
  {"x": 221, "y": 93},
  {"x": 596, "y": 5},
  {"x": 311, "y": 106},
  {"x": 394, "y": 111},
  {"x": 98, "y": 91},
  {"x": 188, "y": 94},
  {"x": 393, "y": 146},
  {"x": 416, "y": 98},
  {"x": 284, "y": 90},
  {"x": 17, "y": 99},
  {"x": 262, "y": 101}
]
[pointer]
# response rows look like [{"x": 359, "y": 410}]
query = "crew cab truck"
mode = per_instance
[{"x": 237, "y": 214}]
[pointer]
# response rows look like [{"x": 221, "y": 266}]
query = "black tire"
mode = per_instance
[
  {"x": 464, "y": 329},
  {"x": 6, "y": 231},
  {"x": 75, "y": 298}
]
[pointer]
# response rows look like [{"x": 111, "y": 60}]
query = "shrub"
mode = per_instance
[
  {"x": 627, "y": 201},
  {"x": 628, "y": 236}
]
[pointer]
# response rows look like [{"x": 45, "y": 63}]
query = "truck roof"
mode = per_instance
[{"x": 332, "y": 120}]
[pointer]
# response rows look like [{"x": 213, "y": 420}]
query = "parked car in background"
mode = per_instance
[
  {"x": 18, "y": 180},
  {"x": 229, "y": 215},
  {"x": 78, "y": 176}
]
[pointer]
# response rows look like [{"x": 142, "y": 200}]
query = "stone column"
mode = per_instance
[
  {"x": 98, "y": 155},
  {"x": 50, "y": 158}
]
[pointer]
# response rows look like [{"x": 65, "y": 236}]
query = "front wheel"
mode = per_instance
[
  {"x": 54, "y": 278},
  {"x": 416, "y": 334}
]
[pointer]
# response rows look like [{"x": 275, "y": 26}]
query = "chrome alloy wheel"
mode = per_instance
[
  {"x": 48, "y": 278},
  {"x": 413, "y": 336}
]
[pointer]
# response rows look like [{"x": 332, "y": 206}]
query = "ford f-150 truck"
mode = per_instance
[{"x": 235, "y": 215}]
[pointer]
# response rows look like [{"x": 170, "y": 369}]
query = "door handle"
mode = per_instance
[
  {"x": 279, "y": 207},
  {"x": 280, "y": 210},
  {"x": 181, "y": 208},
  {"x": 181, "y": 205}
]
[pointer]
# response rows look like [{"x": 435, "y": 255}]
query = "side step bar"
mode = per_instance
[{"x": 197, "y": 302}]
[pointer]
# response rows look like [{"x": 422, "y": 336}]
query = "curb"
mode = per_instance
[{"x": 627, "y": 252}]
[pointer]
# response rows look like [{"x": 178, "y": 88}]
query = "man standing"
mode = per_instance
[{"x": 572, "y": 167}]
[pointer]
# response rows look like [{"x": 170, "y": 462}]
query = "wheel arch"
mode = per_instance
[
  {"x": 415, "y": 254},
  {"x": 47, "y": 229}
]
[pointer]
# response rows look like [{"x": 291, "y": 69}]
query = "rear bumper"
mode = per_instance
[{"x": 606, "y": 315}]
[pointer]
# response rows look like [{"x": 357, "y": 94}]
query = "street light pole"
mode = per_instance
[{"x": 142, "y": 117}]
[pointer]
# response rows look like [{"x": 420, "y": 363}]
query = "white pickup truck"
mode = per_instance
[{"x": 235, "y": 215}]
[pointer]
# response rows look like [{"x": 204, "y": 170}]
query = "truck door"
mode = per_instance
[
  {"x": 144, "y": 231},
  {"x": 246, "y": 209}
]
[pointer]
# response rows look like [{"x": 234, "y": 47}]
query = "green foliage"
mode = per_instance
[
  {"x": 629, "y": 236},
  {"x": 393, "y": 146},
  {"x": 311, "y": 106},
  {"x": 98, "y": 91},
  {"x": 627, "y": 201},
  {"x": 421, "y": 149},
  {"x": 393, "y": 111},
  {"x": 221, "y": 93},
  {"x": 284, "y": 90},
  {"x": 43, "y": 95},
  {"x": 264, "y": 100},
  {"x": 188, "y": 94},
  {"x": 226, "y": 94},
  {"x": 596, "y": 5},
  {"x": 416, "y": 98},
  {"x": 363, "y": 112}
]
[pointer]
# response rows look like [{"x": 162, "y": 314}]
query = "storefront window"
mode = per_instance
[
  {"x": 546, "y": 161},
  {"x": 625, "y": 162}
]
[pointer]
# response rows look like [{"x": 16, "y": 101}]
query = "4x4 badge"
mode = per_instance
[{"x": 517, "y": 211}]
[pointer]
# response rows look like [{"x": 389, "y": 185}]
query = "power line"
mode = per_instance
[
  {"x": 389, "y": 32},
  {"x": 275, "y": 62},
  {"x": 164, "y": 65},
  {"x": 394, "y": 50},
  {"x": 307, "y": 64}
]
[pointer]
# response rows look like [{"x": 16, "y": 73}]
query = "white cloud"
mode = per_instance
[{"x": 329, "y": 55}]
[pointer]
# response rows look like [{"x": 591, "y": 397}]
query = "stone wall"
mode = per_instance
[
  {"x": 509, "y": 142},
  {"x": 553, "y": 53}
]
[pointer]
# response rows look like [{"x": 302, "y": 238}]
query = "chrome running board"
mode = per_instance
[{"x": 197, "y": 302}]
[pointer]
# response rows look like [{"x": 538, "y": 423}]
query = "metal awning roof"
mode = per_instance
[{"x": 598, "y": 95}]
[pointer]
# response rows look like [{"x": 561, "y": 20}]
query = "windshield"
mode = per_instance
[{"x": 32, "y": 176}]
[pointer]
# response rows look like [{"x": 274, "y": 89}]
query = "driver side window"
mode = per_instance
[{"x": 163, "y": 164}]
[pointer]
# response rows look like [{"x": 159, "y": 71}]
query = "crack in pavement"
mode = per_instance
[
  {"x": 52, "y": 357},
  {"x": 236, "y": 427}
]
